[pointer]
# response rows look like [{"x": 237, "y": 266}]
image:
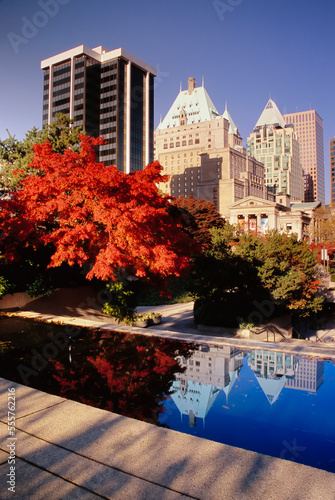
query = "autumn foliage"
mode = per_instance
[
  {"x": 199, "y": 217},
  {"x": 94, "y": 216},
  {"x": 126, "y": 374}
]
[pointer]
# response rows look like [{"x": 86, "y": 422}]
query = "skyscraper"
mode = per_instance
[
  {"x": 275, "y": 144},
  {"x": 308, "y": 126},
  {"x": 108, "y": 93},
  {"x": 332, "y": 171}
]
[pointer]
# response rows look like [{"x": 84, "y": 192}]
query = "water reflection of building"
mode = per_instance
[
  {"x": 209, "y": 370},
  {"x": 276, "y": 370},
  {"x": 309, "y": 375},
  {"x": 272, "y": 370}
]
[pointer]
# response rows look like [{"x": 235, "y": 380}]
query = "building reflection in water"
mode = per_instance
[
  {"x": 212, "y": 369},
  {"x": 209, "y": 370},
  {"x": 276, "y": 370}
]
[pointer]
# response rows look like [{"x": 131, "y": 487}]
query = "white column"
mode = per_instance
[
  {"x": 128, "y": 116},
  {"x": 72, "y": 89},
  {"x": 147, "y": 118},
  {"x": 51, "y": 82}
]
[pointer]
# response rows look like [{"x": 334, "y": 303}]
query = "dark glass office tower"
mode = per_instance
[{"x": 108, "y": 93}]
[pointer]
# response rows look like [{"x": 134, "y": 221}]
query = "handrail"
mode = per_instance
[
  {"x": 300, "y": 335},
  {"x": 273, "y": 329}
]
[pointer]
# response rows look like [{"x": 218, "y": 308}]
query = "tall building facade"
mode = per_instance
[
  {"x": 332, "y": 171},
  {"x": 109, "y": 94},
  {"x": 275, "y": 144},
  {"x": 308, "y": 126},
  {"x": 201, "y": 151}
]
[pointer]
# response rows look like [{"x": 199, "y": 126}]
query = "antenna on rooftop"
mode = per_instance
[
  {"x": 180, "y": 87},
  {"x": 203, "y": 80}
]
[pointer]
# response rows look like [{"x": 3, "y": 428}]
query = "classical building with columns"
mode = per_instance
[
  {"x": 259, "y": 216},
  {"x": 109, "y": 94},
  {"x": 201, "y": 151}
]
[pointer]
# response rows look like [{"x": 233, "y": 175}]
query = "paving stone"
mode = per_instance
[
  {"x": 27, "y": 400},
  {"x": 3, "y": 457},
  {"x": 34, "y": 483},
  {"x": 194, "y": 466},
  {"x": 84, "y": 472}
]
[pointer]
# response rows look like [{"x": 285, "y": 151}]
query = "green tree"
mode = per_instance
[
  {"x": 224, "y": 284},
  {"x": 324, "y": 231},
  {"x": 286, "y": 267},
  {"x": 16, "y": 156},
  {"x": 240, "y": 269}
]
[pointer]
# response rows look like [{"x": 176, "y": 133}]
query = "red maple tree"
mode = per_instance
[{"x": 94, "y": 215}]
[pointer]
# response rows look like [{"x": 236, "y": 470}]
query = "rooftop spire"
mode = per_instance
[{"x": 271, "y": 116}]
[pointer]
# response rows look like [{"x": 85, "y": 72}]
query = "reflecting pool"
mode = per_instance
[{"x": 266, "y": 401}]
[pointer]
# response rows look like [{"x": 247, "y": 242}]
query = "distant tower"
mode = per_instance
[
  {"x": 332, "y": 170},
  {"x": 308, "y": 126},
  {"x": 275, "y": 145}
]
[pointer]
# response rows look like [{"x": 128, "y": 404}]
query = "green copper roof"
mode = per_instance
[
  {"x": 232, "y": 126},
  {"x": 195, "y": 104},
  {"x": 305, "y": 206}
]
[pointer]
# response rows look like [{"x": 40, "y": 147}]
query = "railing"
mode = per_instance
[
  {"x": 301, "y": 336},
  {"x": 270, "y": 329}
]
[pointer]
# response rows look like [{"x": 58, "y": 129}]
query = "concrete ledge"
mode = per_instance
[
  {"x": 305, "y": 348},
  {"x": 68, "y": 450},
  {"x": 15, "y": 301}
]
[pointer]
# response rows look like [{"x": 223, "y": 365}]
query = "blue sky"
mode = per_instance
[{"x": 246, "y": 50}]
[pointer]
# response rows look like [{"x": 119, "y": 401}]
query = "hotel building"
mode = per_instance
[
  {"x": 332, "y": 171},
  {"x": 202, "y": 152},
  {"x": 275, "y": 144},
  {"x": 109, "y": 94},
  {"x": 308, "y": 127},
  {"x": 208, "y": 371}
]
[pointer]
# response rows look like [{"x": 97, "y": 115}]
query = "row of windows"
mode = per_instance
[
  {"x": 108, "y": 78},
  {"x": 61, "y": 102},
  {"x": 183, "y": 137},
  {"x": 108, "y": 88},
  {"x": 61, "y": 70},
  {"x": 108, "y": 130},
  {"x": 108, "y": 120},
  {"x": 108, "y": 67},
  {"x": 61, "y": 81},
  {"x": 108, "y": 152},
  {"x": 62, "y": 91},
  {"x": 108, "y": 99},
  {"x": 183, "y": 143},
  {"x": 79, "y": 64},
  {"x": 107, "y": 109},
  {"x": 79, "y": 74}
]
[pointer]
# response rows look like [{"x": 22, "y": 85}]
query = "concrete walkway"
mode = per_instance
[{"x": 65, "y": 450}]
